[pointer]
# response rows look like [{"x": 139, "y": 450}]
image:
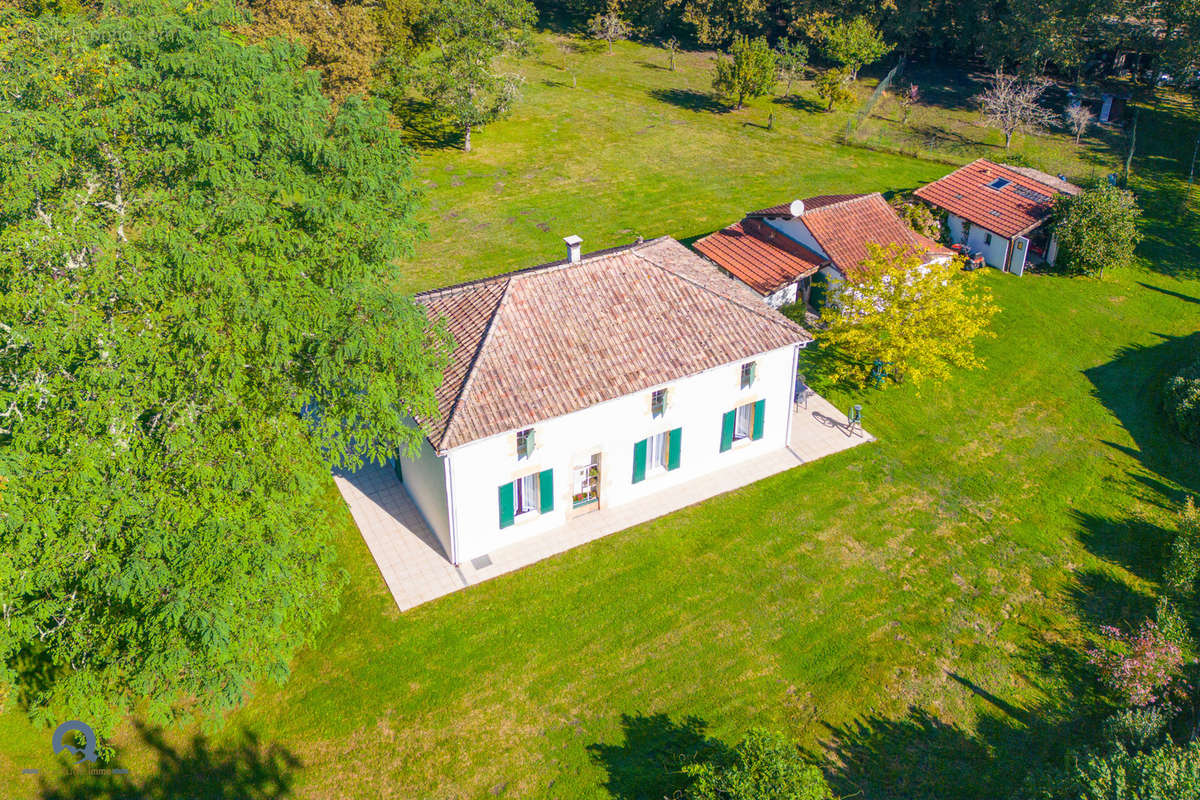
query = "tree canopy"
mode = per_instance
[
  {"x": 195, "y": 254},
  {"x": 747, "y": 71},
  {"x": 460, "y": 76},
  {"x": 1096, "y": 229},
  {"x": 921, "y": 320},
  {"x": 851, "y": 45}
]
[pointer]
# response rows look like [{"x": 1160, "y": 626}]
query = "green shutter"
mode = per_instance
[
  {"x": 506, "y": 505},
  {"x": 673, "y": 439},
  {"x": 546, "y": 485},
  {"x": 759, "y": 418},
  {"x": 639, "y": 461},
  {"x": 727, "y": 423}
]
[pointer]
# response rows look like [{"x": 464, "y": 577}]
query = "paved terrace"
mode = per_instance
[{"x": 416, "y": 569}]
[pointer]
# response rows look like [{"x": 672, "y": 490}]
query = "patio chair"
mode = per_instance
[
  {"x": 802, "y": 391},
  {"x": 854, "y": 420}
]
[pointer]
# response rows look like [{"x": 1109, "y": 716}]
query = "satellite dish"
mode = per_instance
[{"x": 796, "y": 208}]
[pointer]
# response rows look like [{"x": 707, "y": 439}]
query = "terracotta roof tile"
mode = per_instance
[
  {"x": 845, "y": 228},
  {"x": 546, "y": 341},
  {"x": 758, "y": 255},
  {"x": 1014, "y": 209}
]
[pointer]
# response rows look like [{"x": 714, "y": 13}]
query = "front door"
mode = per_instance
[{"x": 585, "y": 485}]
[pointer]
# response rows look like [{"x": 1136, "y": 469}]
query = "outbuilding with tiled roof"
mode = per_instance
[
  {"x": 776, "y": 251},
  {"x": 999, "y": 212}
]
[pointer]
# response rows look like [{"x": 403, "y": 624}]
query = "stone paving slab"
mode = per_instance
[{"x": 416, "y": 569}]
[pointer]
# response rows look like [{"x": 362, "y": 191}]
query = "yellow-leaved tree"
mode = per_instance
[{"x": 918, "y": 320}]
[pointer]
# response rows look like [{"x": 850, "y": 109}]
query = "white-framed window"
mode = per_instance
[
  {"x": 743, "y": 422},
  {"x": 524, "y": 443},
  {"x": 658, "y": 402},
  {"x": 748, "y": 371},
  {"x": 656, "y": 453},
  {"x": 525, "y": 495}
]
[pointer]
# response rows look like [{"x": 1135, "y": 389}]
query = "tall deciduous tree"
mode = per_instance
[
  {"x": 195, "y": 325},
  {"x": 852, "y": 44},
  {"x": 747, "y": 71},
  {"x": 717, "y": 21},
  {"x": 1096, "y": 229},
  {"x": 922, "y": 319},
  {"x": 342, "y": 41},
  {"x": 460, "y": 76},
  {"x": 1012, "y": 104}
]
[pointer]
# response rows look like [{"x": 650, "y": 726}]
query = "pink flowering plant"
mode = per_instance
[{"x": 1142, "y": 667}]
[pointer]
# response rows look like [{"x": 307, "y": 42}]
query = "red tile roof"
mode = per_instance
[
  {"x": 844, "y": 229},
  {"x": 1017, "y": 208},
  {"x": 542, "y": 342},
  {"x": 758, "y": 255}
]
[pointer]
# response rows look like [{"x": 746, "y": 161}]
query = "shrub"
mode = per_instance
[
  {"x": 1168, "y": 772},
  {"x": 1184, "y": 566},
  {"x": 1181, "y": 401},
  {"x": 763, "y": 766},
  {"x": 1136, "y": 729},
  {"x": 1141, "y": 668}
]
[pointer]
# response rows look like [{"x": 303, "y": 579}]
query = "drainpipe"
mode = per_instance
[{"x": 452, "y": 508}]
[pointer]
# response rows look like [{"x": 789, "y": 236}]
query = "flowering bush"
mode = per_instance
[{"x": 1141, "y": 667}]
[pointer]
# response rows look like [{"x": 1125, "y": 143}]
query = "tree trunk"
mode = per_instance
[
  {"x": 467, "y": 138},
  {"x": 1078, "y": 133},
  {"x": 610, "y": 41},
  {"x": 1007, "y": 139}
]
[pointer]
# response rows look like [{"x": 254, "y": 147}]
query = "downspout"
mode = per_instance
[{"x": 453, "y": 509}]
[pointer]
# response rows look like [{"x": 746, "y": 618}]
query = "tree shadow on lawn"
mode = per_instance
[
  {"x": 1130, "y": 386},
  {"x": 919, "y": 756},
  {"x": 647, "y": 764},
  {"x": 1137, "y": 545},
  {"x": 799, "y": 103},
  {"x": 245, "y": 769},
  {"x": 424, "y": 128},
  {"x": 690, "y": 99}
]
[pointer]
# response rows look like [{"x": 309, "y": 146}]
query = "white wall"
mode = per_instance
[
  {"x": 425, "y": 480},
  {"x": 994, "y": 254},
  {"x": 796, "y": 229},
  {"x": 695, "y": 404},
  {"x": 782, "y": 296},
  {"x": 957, "y": 227}
]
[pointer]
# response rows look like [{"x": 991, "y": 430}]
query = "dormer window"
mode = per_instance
[
  {"x": 748, "y": 372},
  {"x": 658, "y": 403},
  {"x": 525, "y": 443}
]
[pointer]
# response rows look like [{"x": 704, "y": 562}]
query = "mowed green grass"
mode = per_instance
[{"x": 916, "y": 605}]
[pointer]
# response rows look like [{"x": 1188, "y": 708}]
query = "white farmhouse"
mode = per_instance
[
  {"x": 999, "y": 212},
  {"x": 592, "y": 382}
]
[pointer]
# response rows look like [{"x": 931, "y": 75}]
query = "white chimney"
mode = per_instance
[{"x": 573, "y": 248}]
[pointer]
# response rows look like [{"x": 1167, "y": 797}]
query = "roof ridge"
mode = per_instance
[
  {"x": 782, "y": 321},
  {"x": 838, "y": 204},
  {"x": 470, "y": 371}
]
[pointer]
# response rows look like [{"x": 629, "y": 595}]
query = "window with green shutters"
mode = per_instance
[
  {"x": 529, "y": 494},
  {"x": 658, "y": 453},
  {"x": 744, "y": 422}
]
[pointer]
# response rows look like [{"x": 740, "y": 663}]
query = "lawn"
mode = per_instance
[{"x": 912, "y": 609}]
